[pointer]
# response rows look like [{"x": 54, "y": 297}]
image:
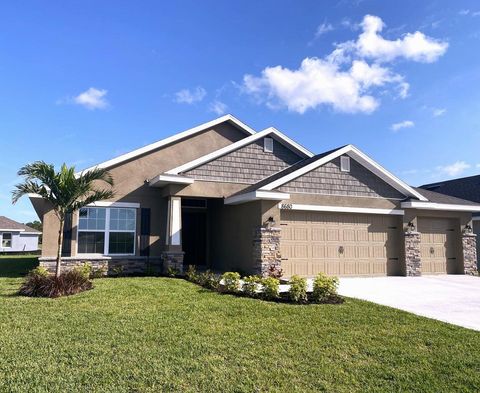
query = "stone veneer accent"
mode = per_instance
[
  {"x": 413, "y": 261},
  {"x": 173, "y": 260},
  {"x": 469, "y": 247},
  {"x": 266, "y": 249},
  {"x": 128, "y": 265}
]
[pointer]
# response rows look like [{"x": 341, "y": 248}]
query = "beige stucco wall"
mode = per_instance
[
  {"x": 130, "y": 183},
  {"x": 231, "y": 235}
]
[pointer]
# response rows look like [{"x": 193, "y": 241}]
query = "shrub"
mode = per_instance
[
  {"x": 208, "y": 280},
  {"x": 274, "y": 271},
  {"x": 250, "y": 285},
  {"x": 98, "y": 272},
  {"x": 117, "y": 270},
  {"x": 231, "y": 281},
  {"x": 298, "y": 289},
  {"x": 271, "y": 288},
  {"x": 191, "y": 273},
  {"x": 85, "y": 269},
  {"x": 172, "y": 272},
  {"x": 68, "y": 283},
  {"x": 39, "y": 271},
  {"x": 324, "y": 288}
]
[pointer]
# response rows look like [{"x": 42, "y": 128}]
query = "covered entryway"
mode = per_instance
[
  {"x": 438, "y": 240},
  {"x": 343, "y": 244}
]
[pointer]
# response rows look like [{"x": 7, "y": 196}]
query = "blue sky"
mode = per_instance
[{"x": 84, "y": 81}]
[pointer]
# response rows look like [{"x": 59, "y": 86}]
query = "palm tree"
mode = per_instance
[{"x": 64, "y": 190}]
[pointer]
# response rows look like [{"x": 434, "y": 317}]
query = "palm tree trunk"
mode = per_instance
[{"x": 60, "y": 244}]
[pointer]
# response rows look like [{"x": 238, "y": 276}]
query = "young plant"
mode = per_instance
[
  {"x": 271, "y": 288},
  {"x": 324, "y": 288},
  {"x": 191, "y": 273},
  {"x": 85, "y": 269},
  {"x": 251, "y": 285},
  {"x": 231, "y": 282},
  {"x": 298, "y": 289},
  {"x": 209, "y": 280},
  {"x": 65, "y": 191},
  {"x": 274, "y": 271}
]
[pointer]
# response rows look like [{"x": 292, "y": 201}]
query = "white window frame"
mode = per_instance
[
  {"x": 345, "y": 163},
  {"x": 11, "y": 239},
  {"x": 107, "y": 231},
  {"x": 268, "y": 145}
]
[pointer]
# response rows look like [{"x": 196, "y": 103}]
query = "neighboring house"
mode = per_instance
[
  {"x": 16, "y": 237},
  {"x": 465, "y": 188},
  {"x": 223, "y": 196}
]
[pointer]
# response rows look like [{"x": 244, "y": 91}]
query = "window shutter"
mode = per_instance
[
  {"x": 67, "y": 236},
  {"x": 145, "y": 232}
]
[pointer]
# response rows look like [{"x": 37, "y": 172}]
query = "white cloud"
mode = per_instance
[
  {"x": 402, "y": 124},
  {"x": 92, "y": 98},
  {"x": 316, "y": 82},
  {"x": 438, "y": 112},
  {"x": 413, "y": 46},
  {"x": 187, "y": 96},
  {"x": 218, "y": 107},
  {"x": 344, "y": 80},
  {"x": 466, "y": 12},
  {"x": 323, "y": 29},
  {"x": 454, "y": 169}
]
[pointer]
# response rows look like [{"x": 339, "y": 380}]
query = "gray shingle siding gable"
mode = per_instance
[
  {"x": 328, "y": 179},
  {"x": 246, "y": 165}
]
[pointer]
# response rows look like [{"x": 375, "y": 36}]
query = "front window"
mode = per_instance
[
  {"x": 7, "y": 240},
  {"x": 106, "y": 231}
]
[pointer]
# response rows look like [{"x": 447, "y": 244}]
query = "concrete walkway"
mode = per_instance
[{"x": 450, "y": 298}]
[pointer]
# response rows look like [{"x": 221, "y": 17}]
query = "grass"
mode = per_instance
[
  {"x": 17, "y": 265},
  {"x": 163, "y": 334}
]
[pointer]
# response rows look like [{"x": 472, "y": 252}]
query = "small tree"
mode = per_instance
[{"x": 64, "y": 190}]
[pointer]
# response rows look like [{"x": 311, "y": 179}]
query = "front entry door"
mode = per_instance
[{"x": 194, "y": 237}]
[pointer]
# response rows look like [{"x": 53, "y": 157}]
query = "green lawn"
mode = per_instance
[
  {"x": 17, "y": 265},
  {"x": 162, "y": 334}
]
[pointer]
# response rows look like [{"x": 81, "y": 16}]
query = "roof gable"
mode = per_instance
[
  {"x": 269, "y": 132},
  {"x": 357, "y": 155},
  {"x": 246, "y": 165},
  {"x": 179, "y": 136},
  {"x": 329, "y": 179}
]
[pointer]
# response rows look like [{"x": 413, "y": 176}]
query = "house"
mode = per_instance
[
  {"x": 465, "y": 188},
  {"x": 223, "y": 196},
  {"x": 16, "y": 237}
]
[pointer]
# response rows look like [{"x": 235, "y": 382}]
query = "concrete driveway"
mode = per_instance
[{"x": 450, "y": 298}]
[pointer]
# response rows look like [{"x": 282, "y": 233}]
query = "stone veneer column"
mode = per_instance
[
  {"x": 266, "y": 249},
  {"x": 413, "y": 261},
  {"x": 469, "y": 248}
]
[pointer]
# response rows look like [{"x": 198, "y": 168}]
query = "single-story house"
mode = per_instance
[
  {"x": 16, "y": 237},
  {"x": 465, "y": 188},
  {"x": 223, "y": 196}
]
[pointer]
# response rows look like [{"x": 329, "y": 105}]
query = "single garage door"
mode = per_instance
[
  {"x": 438, "y": 250},
  {"x": 341, "y": 244}
]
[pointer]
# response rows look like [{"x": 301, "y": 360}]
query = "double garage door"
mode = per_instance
[
  {"x": 347, "y": 244},
  {"x": 341, "y": 244}
]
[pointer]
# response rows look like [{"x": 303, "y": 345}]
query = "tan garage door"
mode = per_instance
[
  {"x": 438, "y": 245},
  {"x": 339, "y": 243}
]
